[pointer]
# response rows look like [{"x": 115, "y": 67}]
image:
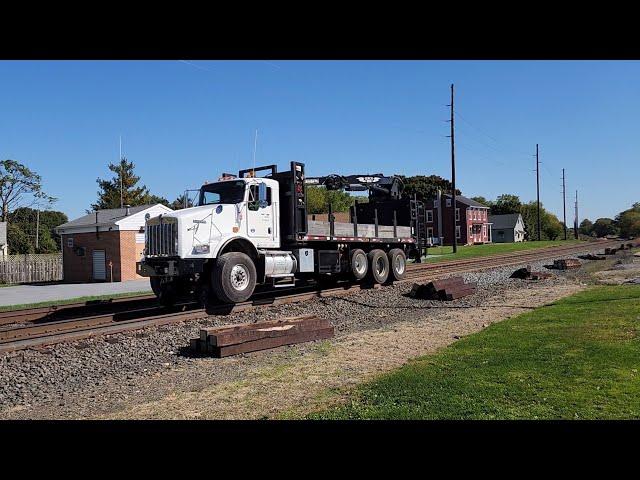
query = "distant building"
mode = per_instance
[
  {"x": 105, "y": 245},
  {"x": 472, "y": 222},
  {"x": 507, "y": 228},
  {"x": 4, "y": 247}
]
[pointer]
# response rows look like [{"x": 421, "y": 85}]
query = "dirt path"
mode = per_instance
[{"x": 307, "y": 378}]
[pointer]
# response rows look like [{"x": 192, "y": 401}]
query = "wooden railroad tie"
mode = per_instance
[
  {"x": 525, "y": 273},
  {"x": 566, "y": 263},
  {"x": 446, "y": 289},
  {"x": 251, "y": 337},
  {"x": 590, "y": 256}
]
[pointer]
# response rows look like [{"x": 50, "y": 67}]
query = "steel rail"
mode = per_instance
[{"x": 29, "y": 336}]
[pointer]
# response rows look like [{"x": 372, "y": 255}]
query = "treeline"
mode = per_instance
[{"x": 625, "y": 224}]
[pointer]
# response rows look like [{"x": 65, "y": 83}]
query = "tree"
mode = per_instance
[
  {"x": 483, "y": 201},
  {"x": 109, "y": 192},
  {"x": 586, "y": 227},
  {"x": 604, "y": 226},
  {"x": 22, "y": 230},
  {"x": 551, "y": 227},
  {"x": 178, "y": 203},
  {"x": 319, "y": 198},
  {"x": 628, "y": 221},
  {"x": 425, "y": 188},
  {"x": 20, "y": 186},
  {"x": 505, "y": 204}
]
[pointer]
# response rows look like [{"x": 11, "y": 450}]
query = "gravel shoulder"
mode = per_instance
[{"x": 151, "y": 374}]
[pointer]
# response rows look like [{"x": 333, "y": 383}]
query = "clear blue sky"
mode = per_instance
[{"x": 184, "y": 122}]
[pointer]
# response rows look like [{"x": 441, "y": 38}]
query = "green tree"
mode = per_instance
[
  {"x": 586, "y": 227},
  {"x": 426, "y": 187},
  {"x": 628, "y": 221},
  {"x": 20, "y": 186},
  {"x": 319, "y": 198},
  {"x": 604, "y": 226},
  {"x": 132, "y": 194},
  {"x": 22, "y": 230},
  {"x": 550, "y": 226},
  {"x": 483, "y": 201},
  {"x": 179, "y": 203},
  {"x": 505, "y": 204}
]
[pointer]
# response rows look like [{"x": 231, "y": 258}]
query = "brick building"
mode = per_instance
[
  {"x": 105, "y": 245},
  {"x": 472, "y": 221}
]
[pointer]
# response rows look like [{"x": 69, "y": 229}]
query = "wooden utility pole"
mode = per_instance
[
  {"x": 453, "y": 179},
  {"x": 37, "y": 228},
  {"x": 564, "y": 206},
  {"x": 576, "y": 221},
  {"x": 538, "y": 188}
]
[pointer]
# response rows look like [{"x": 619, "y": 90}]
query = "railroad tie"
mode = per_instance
[{"x": 251, "y": 337}]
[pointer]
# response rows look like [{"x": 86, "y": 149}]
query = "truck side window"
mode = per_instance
[{"x": 268, "y": 195}]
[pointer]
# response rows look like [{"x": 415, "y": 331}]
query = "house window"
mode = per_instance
[
  {"x": 457, "y": 214},
  {"x": 448, "y": 202},
  {"x": 457, "y": 231},
  {"x": 429, "y": 216},
  {"x": 429, "y": 232},
  {"x": 70, "y": 242},
  {"x": 484, "y": 231}
]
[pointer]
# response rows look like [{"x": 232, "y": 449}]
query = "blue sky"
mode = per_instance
[{"x": 183, "y": 122}]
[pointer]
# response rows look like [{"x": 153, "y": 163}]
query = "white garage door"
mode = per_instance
[{"x": 99, "y": 268}]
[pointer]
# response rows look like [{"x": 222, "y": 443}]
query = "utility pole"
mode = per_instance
[
  {"x": 576, "y": 221},
  {"x": 538, "y": 188},
  {"x": 37, "y": 228},
  {"x": 453, "y": 179},
  {"x": 564, "y": 206},
  {"x": 120, "y": 161}
]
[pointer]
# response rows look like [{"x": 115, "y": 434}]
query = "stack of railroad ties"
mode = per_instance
[
  {"x": 251, "y": 337},
  {"x": 446, "y": 289}
]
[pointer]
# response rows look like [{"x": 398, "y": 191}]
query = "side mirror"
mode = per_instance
[{"x": 262, "y": 195}]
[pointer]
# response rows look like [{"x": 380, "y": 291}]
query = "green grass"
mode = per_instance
[
  {"x": 67, "y": 301},
  {"x": 576, "y": 359},
  {"x": 469, "y": 251}
]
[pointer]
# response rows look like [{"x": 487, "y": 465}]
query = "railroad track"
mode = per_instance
[{"x": 32, "y": 328}]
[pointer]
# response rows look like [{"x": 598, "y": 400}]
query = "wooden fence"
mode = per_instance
[{"x": 28, "y": 268}]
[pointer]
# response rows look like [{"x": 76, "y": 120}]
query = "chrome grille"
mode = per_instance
[{"x": 160, "y": 240}]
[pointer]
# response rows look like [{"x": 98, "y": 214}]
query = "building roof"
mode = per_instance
[
  {"x": 504, "y": 221},
  {"x": 466, "y": 201},
  {"x": 105, "y": 217}
]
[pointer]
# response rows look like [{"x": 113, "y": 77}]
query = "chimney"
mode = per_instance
[{"x": 128, "y": 211}]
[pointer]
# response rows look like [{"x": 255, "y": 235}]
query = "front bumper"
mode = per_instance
[{"x": 168, "y": 267}]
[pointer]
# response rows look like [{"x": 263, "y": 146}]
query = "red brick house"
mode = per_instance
[
  {"x": 472, "y": 221},
  {"x": 105, "y": 245}
]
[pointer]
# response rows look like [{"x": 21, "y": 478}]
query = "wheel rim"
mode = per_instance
[
  {"x": 360, "y": 263},
  {"x": 239, "y": 277},
  {"x": 380, "y": 268},
  {"x": 400, "y": 265}
]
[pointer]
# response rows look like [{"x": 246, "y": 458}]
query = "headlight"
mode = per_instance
[{"x": 201, "y": 249}]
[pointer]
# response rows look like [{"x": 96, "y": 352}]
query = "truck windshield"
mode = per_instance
[{"x": 222, "y": 192}]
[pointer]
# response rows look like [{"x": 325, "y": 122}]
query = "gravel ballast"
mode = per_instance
[{"x": 90, "y": 376}]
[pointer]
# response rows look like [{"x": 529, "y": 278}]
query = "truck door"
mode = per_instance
[{"x": 260, "y": 214}]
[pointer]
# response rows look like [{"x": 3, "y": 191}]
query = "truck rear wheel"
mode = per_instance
[
  {"x": 234, "y": 277},
  {"x": 397, "y": 264},
  {"x": 359, "y": 264},
  {"x": 378, "y": 266}
]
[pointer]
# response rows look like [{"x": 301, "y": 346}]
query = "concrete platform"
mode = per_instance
[{"x": 25, "y": 294}]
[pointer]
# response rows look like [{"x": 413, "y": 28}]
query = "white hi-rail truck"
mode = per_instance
[{"x": 248, "y": 230}]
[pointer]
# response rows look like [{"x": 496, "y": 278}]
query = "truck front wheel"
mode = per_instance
[
  {"x": 234, "y": 277},
  {"x": 165, "y": 290}
]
